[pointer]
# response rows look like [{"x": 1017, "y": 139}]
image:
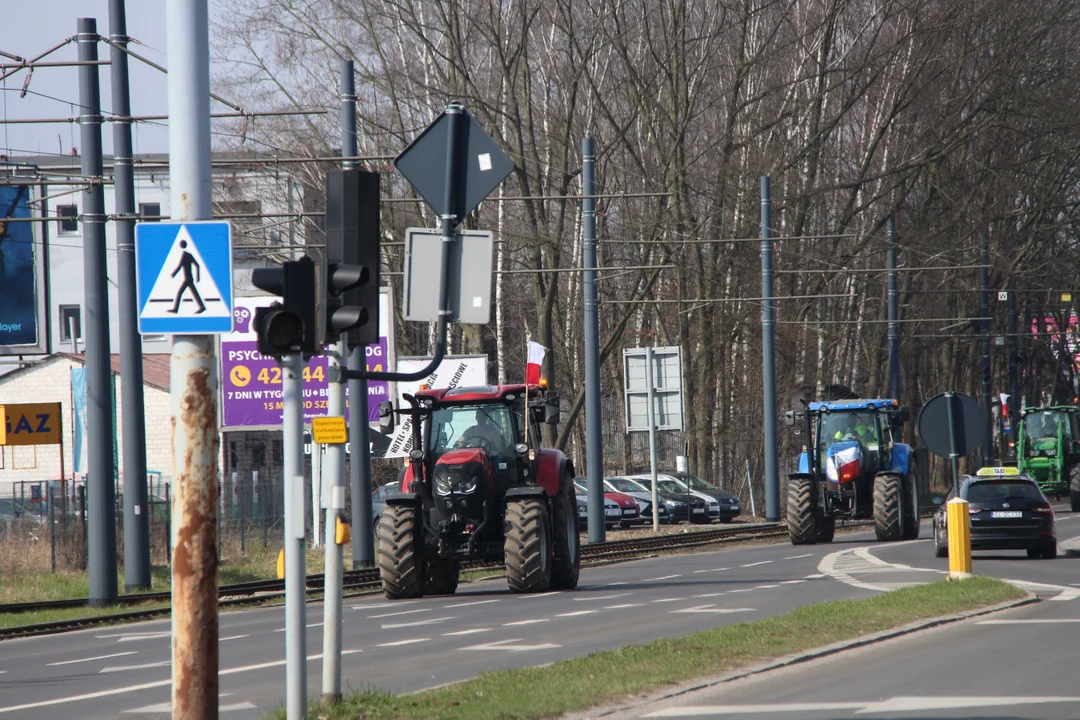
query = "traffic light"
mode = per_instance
[
  {"x": 352, "y": 257},
  {"x": 291, "y": 326}
]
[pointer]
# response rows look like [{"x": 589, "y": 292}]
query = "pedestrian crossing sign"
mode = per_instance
[{"x": 184, "y": 278}]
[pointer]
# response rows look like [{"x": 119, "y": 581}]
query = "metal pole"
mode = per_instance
[
  {"x": 594, "y": 439},
  {"x": 52, "y": 528},
  {"x": 316, "y": 492},
  {"x": 894, "y": 315},
  {"x": 768, "y": 365},
  {"x": 295, "y": 559},
  {"x": 359, "y": 443},
  {"x": 984, "y": 313},
  {"x": 651, "y": 399},
  {"x": 99, "y": 417},
  {"x": 1014, "y": 366},
  {"x": 136, "y": 524},
  {"x": 193, "y": 383},
  {"x": 334, "y": 476},
  {"x": 954, "y": 459}
]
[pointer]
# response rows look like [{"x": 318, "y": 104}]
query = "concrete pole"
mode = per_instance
[
  {"x": 768, "y": 352},
  {"x": 136, "y": 517},
  {"x": 99, "y": 413},
  {"x": 334, "y": 475},
  {"x": 651, "y": 399},
  {"x": 894, "y": 315},
  {"x": 316, "y": 492},
  {"x": 594, "y": 439},
  {"x": 292, "y": 367},
  {"x": 193, "y": 383},
  {"x": 984, "y": 313}
]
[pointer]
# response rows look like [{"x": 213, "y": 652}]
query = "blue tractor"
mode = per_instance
[{"x": 853, "y": 466}]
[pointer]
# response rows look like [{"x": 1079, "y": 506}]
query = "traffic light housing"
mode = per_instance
[
  {"x": 352, "y": 257},
  {"x": 291, "y": 326}
]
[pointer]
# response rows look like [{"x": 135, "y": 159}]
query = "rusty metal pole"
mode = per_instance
[{"x": 193, "y": 384}]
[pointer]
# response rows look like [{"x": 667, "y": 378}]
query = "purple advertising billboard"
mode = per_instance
[{"x": 251, "y": 384}]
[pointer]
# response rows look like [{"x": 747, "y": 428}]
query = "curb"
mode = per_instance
[{"x": 806, "y": 656}]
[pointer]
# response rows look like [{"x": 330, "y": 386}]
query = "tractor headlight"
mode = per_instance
[
  {"x": 467, "y": 485},
  {"x": 442, "y": 485}
]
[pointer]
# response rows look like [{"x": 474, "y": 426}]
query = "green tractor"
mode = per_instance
[{"x": 1048, "y": 449}]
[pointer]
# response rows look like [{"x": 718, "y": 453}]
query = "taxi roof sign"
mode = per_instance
[{"x": 998, "y": 472}]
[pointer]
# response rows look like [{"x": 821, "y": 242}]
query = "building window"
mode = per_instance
[
  {"x": 69, "y": 225},
  {"x": 70, "y": 317},
  {"x": 150, "y": 212}
]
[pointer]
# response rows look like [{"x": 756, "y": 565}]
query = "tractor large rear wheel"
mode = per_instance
[
  {"x": 566, "y": 565},
  {"x": 910, "y": 506},
  {"x": 1074, "y": 487},
  {"x": 528, "y": 547},
  {"x": 441, "y": 577},
  {"x": 802, "y": 519},
  {"x": 397, "y": 552},
  {"x": 888, "y": 522}
]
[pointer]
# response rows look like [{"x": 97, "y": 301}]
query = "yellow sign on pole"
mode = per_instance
[
  {"x": 30, "y": 424},
  {"x": 329, "y": 430}
]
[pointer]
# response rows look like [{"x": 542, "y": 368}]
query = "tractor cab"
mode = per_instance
[{"x": 1048, "y": 446}]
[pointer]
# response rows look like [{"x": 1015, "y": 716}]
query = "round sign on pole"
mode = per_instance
[{"x": 934, "y": 424}]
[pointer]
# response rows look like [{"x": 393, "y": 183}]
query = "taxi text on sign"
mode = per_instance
[
  {"x": 30, "y": 424},
  {"x": 329, "y": 430}
]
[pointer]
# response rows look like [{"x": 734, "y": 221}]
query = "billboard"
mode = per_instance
[
  {"x": 454, "y": 371},
  {"x": 23, "y": 329},
  {"x": 251, "y": 384}
]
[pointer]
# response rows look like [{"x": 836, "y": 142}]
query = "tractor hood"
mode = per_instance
[
  {"x": 463, "y": 470},
  {"x": 843, "y": 461},
  {"x": 459, "y": 456}
]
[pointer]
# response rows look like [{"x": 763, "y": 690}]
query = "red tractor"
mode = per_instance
[{"x": 478, "y": 486}]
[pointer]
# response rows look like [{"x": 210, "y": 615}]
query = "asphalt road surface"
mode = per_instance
[{"x": 123, "y": 671}]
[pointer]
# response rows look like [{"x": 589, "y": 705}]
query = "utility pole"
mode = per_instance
[
  {"x": 1014, "y": 363},
  {"x": 136, "y": 518},
  {"x": 99, "y": 412},
  {"x": 292, "y": 369},
  {"x": 894, "y": 315},
  {"x": 768, "y": 365},
  {"x": 193, "y": 383},
  {"x": 594, "y": 450},
  {"x": 984, "y": 313}
]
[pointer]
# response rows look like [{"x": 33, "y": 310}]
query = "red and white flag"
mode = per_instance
[{"x": 532, "y": 369}]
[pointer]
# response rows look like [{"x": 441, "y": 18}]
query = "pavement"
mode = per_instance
[{"x": 124, "y": 671}]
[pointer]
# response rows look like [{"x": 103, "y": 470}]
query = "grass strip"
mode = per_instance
[{"x": 608, "y": 677}]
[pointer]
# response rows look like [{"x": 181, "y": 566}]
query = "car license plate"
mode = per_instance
[
  {"x": 613, "y": 512},
  {"x": 699, "y": 510},
  {"x": 629, "y": 511},
  {"x": 1006, "y": 514}
]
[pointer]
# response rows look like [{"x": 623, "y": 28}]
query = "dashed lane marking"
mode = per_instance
[
  {"x": 395, "y": 614},
  {"x": 126, "y": 668},
  {"x": 664, "y": 600},
  {"x": 232, "y": 637},
  {"x": 576, "y": 613},
  {"x": 474, "y": 602},
  {"x": 765, "y": 587},
  {"x": 526, "y": 622},
  {"x": 505, "y": 646},
  {"x": 799, "y": 557},
  {"x": 713, "y": 609},
  {"x": 624, "y": 605},
  {"x": 665, "y": 577},
  {"x": 697, "y": 572},
  {"x": 471, "y": 631},
  {"x": 755, "y": 564},
  {"x": 396, "y": 643},
  {"x": 415, "y": 623},
  {"x": 92, "y": 659},
  {"x": 792, "y": 582},
  {"x": 601, "y": 597}
]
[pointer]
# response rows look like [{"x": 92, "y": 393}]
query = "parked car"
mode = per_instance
[
  {"x": 612, "y": 512},
  {"x": 673, "y": 509},
  {"x": 378, "y": 498},
  {"x": 728, "y": 504},
  {"x": 14, "y": 511},
  {"x": 704, "y": 508},
  {"x": 631, "y": 511},
  {"x": 1007, "y": 512}
]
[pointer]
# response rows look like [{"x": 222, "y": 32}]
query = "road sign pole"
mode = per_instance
[
  {"x": 651, "y": 399},
  {"x": 295, "y": 560},
  {"x": 768, "y": 352},
  {"x": 1014, "y": 366},
  {"x": 954, "y": 457},
  {"x": 594, "y": 449},
  {"x": 99, "y": 416},
  {"x": 193, "y": 383}
]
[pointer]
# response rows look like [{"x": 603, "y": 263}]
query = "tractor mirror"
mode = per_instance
[
  {"x": 789, "y": 418},
  {"x": 905, "y": 415},
  {"x": 386, "y": 417},
  {"x": 551, "y": 409}
]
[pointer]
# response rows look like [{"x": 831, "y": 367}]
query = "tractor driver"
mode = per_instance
[
  {"x": 856, "y": 429},
  {"x": 484, "y": 429}
]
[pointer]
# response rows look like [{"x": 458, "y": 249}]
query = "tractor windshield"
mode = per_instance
[
  {"x": 1043, "y": 424},
  {"x": 483, "y": 426},
  {"x": 839, "y": 426}
]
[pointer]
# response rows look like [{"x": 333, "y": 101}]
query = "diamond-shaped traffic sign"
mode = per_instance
[{"x": 481, "y": 169}]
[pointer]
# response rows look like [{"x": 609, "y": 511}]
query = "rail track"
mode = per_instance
[{"x": 358, "y": 581}]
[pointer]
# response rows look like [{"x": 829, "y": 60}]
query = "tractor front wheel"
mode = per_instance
[
  {"x": 826, "y": 529},
  {"x": 910, "y": 506},
  {"x": 888, "y": 502},
  {"x": 802, "y": 519},
  {"x": 528, "y": 548},
  {"x": 1074, "y": 487},
  {"x": 397, "y": 552},
  {"x": 566, "y": 565}
]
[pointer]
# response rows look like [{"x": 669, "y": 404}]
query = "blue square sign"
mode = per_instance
[{"x": 183, "y": 276}]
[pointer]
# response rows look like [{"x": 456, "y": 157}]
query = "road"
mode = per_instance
[{"x": 123, "y": 671}]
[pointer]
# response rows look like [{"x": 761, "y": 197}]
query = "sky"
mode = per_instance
[{"x": 33, "y": 27}]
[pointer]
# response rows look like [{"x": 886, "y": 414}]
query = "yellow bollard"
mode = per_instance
[
  {"x": 958, "y": 523},
  {"x": 281, "y": 565}
]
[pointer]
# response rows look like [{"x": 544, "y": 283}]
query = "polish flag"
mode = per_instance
[{"x": 532, "y": 369}]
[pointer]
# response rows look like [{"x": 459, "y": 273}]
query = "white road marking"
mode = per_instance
[
  {"x": 473, "y": 631},
  {"x": 505, "y": 645},
  {"x": 742, "y": 590},
  {"x": 167, "y": 708},
  {"x": 761, "y": 562},
  {"x": 576, "y": 613},
  {"x": 716, "y": 594},
  {"x": 526, "y": 622},
  {"x": 892, "y": 705},
  {"x": 601, "y": 597},
  {"x": 538, "y": 595},
  {"x": 135, "y": 636},
  {"x": 280, "y": 630},
  {"x": 624, "y": 605},
  {"x": 799, "y": 557},
  {"x": 92, "y": 659},
  {"x": 815, "y": 576},
  {"x": 697, "y": 572},
  {"x": 765, "y": 587},
  {"x": 396, "y": 643},
  {"x": 382, "y": 606},
  {"x": 474, "y": 602},
  {"x": 614, "y": 584},
  {"x": 232, "y": 637},
  {"x": 395, "y": 614},
  {"x": 665, "y": 577},
  {"x": 792, "y": 582},
  {"x": 147, "y": 686},
  {"x": 125, "y": 668},
  {"x": 713, "y": 609},
  {"x": 664, "y": 600},
  {"x": 1041, "y": 621},
  {"x": 415, "y": 623}
]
